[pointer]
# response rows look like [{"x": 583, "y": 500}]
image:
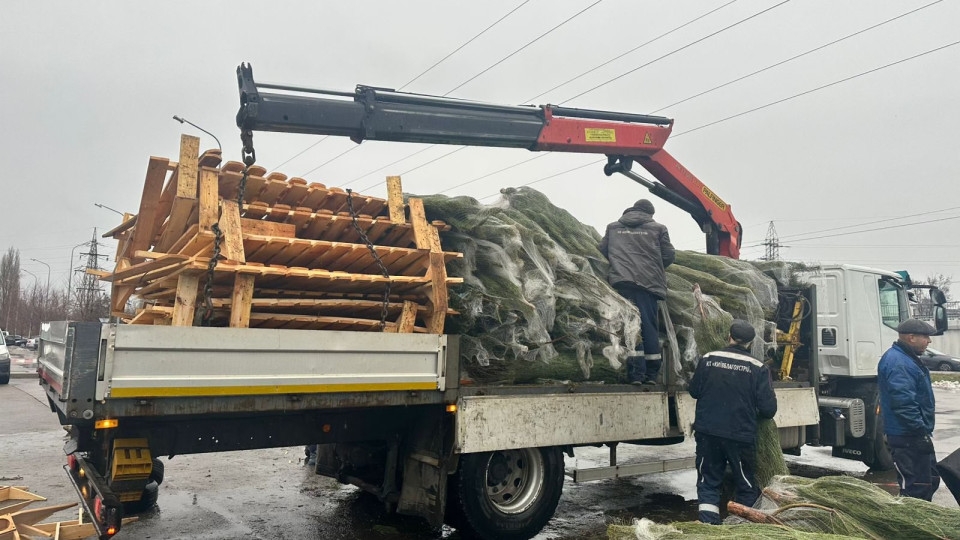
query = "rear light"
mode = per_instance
[
  {"x": 112, "y": 531},
  {"x": 72, "y": 462},
  {"x": 98, "y": 508}
]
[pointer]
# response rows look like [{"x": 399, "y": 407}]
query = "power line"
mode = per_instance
[
  {"x": 541, "y": 179},
  {"x": 454, "y": 151},
  {"x": 463, "y": 83},
  {"x": 494, "y": 172},
  {"x": 792, "y": 58},
  {"x": 881, "y": 228},
  {"x": 538, "y": 38},
  {"x": 796, "y": 237},
  {"x": 298, "y": 154},
  {"x": 392, "y": 163},
  {"x": 688, "y": 45},
  {"x": 761, "y": 107},
  {"x": 327, "y": 162},
  {"x": 638, "y": 47},
  {"x": 469, "y": 41},
  {"x": 850, "y": 78}
]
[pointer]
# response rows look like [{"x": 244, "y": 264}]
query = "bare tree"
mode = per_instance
[
  {"x": 10, "y": 287},
  {"x": 942, "y": 282}
]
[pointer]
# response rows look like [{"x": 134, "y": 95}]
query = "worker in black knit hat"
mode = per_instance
[
  {"x": 732, "y": 389},
  {"x": 639, "y": 250}
]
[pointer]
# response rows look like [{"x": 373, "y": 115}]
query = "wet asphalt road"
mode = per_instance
[{"x": 269, "y": 494}]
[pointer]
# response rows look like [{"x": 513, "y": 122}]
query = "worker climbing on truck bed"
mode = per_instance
[
  {"x": 731, "y": 388},
  {"x": 639, "y": 250}
]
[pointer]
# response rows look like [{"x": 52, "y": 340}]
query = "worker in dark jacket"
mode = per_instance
[
  {"x": 907, "y": 406},
  {"x": 731, "y": 388},
  {"x": 639, "y": 250}
]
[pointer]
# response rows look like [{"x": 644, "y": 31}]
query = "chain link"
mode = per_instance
[
  {"x": 376, "y": 257},
  {"x": 249, "y": 157}
]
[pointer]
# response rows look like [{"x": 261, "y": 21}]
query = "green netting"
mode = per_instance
[
  {"x": 645, "y": 529},
  {"x": 770, "y": 462},
  {"x": 535, "y": 303}
]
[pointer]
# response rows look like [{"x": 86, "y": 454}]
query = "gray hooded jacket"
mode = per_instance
[{"x": 639, "y": 249}]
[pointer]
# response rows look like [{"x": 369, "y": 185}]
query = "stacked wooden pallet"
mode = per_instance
[{"x": 291, "y": 253}]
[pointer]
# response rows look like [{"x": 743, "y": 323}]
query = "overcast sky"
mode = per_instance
[{"x": 88, "y": 91}]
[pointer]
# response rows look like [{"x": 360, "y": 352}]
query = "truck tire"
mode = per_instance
[
  {"x": 507, "y": 494},
  {"x": 5, "y": 378},
  {"x": 156, "y": 474},
  {"x": 151, "y": 492},
  {"x": 882, "y": 458}
]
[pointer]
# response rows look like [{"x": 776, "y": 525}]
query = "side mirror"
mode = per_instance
[
  {"x": 938, "y": 297},
  {"x": 940, "y": 319},
  {"x": 911, "y": 296}
]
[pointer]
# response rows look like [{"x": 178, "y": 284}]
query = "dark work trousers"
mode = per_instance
[
  {"x": 916, "y": 467},
  {"x": 645, "y": 365},
  {"x": 713, "y": 455}
]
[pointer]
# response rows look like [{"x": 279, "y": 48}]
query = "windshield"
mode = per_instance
[{"x": 893, "y": 304}]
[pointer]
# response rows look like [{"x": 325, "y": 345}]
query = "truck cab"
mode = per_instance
[{"x": 858, "y": 311}]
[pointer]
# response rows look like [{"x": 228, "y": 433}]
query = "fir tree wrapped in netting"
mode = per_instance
[
  {"x": 645, "y": 529},
  {"x": 535, "y": 303}
]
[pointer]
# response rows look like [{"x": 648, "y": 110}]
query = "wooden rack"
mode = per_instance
[{"x": 291, "y": 253}]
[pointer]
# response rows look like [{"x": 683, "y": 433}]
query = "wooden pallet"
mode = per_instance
[{"x": 287, "y": 239}]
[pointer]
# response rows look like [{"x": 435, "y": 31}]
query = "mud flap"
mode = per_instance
[{"x": 424, "y": 489}]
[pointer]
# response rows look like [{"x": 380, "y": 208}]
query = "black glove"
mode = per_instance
[{"x": 925, "y": 444}]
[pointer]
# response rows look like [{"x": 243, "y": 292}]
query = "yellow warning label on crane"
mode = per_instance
[
  {"x": 647, "y": 139},
  {"x": 713, "y": 197},
  {"x": 600, "y": 135}
]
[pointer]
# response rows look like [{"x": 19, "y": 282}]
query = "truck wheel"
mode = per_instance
[
  {"x": 151, "y": 492},
  {"x": 508, "y": 494},
  {"x": 156, "y": 474},
  {"x": 882, "y": 458},
  {"x": 4, "y": 379},
  {"x": 944, "y": 367}
]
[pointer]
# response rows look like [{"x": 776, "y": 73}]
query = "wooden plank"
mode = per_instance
[
  {"x": 425, "y": 235},
  {"x": 240, "y": 301},
  {"x": 178, "y": 222},
  {"x": 129, "y": 220},
  {"x": 395, "y": 200},
  {"x": 296, "y": 192},
  {"x": 185, "y": 304},
  {"x": 232, "y": 245},
  {"x": 437, "y": 293},
  {"x": 189, "y": 162},
  {"x": 141, "y": 268},
  {"x": 209, "y": 207},
  {"x": 267, "y": 228},
  {"x": 149, "y": 200},
  {"x": 408, "y": 318}
]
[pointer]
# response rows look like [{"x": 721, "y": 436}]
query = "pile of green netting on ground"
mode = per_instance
[
  {"x": 822, "y": 508},
  {"x": 535, "y": 303}
]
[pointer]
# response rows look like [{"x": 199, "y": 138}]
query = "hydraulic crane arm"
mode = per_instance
[{"x": 382, "y": 114}]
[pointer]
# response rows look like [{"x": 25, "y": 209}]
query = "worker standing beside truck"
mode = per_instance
[
  {"x": 907, "y": 408},
  {"x": 639, "y": 251},
  {"x": 731, "y": 388}
]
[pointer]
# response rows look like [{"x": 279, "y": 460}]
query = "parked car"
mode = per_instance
[
  {"x": 32, "y": 343},
  {"x": 4, "y": 363},
  {"x": 938, "y": 361},
  {"x": 11, "y": 339}
]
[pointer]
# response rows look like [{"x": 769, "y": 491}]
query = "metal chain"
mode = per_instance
[
  {"x": 376, "y": 257},
  {"x": 249, "y": 157}
]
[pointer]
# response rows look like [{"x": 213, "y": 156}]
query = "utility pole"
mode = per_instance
[
  {"x": 90, "y": 297},
  {"x": 771, "y": 244}
]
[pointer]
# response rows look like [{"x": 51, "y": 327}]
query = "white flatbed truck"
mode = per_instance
[{"x": 388, "y": 411}]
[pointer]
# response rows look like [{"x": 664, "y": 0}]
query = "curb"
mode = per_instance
[{"x": 23, "y": 375}]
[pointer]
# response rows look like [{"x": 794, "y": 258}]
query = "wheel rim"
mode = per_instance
[{"x": 514, "y": 479}]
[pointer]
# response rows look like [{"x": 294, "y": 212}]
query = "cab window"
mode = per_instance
[{"x": 893, "y": 304}]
